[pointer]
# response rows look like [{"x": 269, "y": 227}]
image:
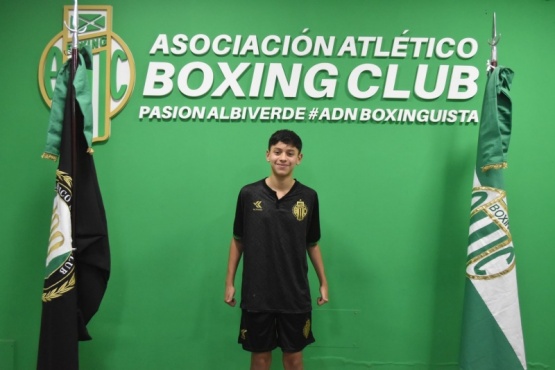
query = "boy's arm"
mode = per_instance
[
  {"x": 235, "y": 253},
  {"x": 316, "y": 259}
]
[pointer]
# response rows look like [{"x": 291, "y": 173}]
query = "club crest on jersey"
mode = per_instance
[
  {"x": 300, "y": 210},
  {"x": 113, "y": 74}
]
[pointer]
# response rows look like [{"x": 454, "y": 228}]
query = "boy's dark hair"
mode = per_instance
[{"x": 287, "y": 137}]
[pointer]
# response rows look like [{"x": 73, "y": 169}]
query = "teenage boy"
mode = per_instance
[{"x": 276, "y": 225}]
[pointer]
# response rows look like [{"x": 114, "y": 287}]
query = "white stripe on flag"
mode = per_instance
[
  {"x": 504, "y": 308},
  {"x": 479, "y": 224},
  {"x": 480, "y": 243}
]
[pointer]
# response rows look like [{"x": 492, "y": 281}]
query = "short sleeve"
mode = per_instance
[
  {"x": 238, "y": 222},
  {"x": 313, "y": 232}
]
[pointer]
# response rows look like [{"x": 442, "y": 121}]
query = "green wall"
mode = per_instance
[{"x": 394, "y": 197}]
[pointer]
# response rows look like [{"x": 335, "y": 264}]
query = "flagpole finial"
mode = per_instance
[
  {"x": 75, "y": 31},
  {"x": 492, "y": 63}
]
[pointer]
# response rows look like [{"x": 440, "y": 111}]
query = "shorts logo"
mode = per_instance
[
  {"x": 306, "y": 329},
  {"x": 300, "y": 210},
  {"x": 243, "y": 334},
  {"x": 113, "y": 74}
]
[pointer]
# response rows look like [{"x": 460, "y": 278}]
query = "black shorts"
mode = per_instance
[{"x": 264, "y": 331}]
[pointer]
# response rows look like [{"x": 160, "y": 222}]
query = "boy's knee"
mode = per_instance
[
  {"x": 261, "y": 361},
  {"x": 293, "y": 361}
]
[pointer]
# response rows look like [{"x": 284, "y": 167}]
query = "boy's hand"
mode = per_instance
[
  {"x": 323, "y": 299},
  {"x": 229, "y": 296}
]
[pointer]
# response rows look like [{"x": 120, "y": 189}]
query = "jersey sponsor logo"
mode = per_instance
[
  {"x": 257, "y": 205},
  {"x": 300, "y": 210},
  {"x": 113, "y": 74}
]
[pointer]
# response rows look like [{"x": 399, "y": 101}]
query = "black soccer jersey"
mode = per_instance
[{"x": 275, "y": 234}]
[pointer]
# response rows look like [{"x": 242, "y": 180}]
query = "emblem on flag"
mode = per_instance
[{"x": 490, "y": 252}]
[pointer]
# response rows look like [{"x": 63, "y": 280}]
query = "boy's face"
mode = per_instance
[{"x": 283, "y": 158}]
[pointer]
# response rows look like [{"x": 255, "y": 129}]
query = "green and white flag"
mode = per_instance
[{"x": 492, "y": 331}]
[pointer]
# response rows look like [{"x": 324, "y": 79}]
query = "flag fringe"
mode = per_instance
[
  {"x": 54, "y": 157},
  {"x": 496, "y": 166},
  {"x": 49, "y": 156}
]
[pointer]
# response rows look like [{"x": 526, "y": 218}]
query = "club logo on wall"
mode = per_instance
[{"x": 113, "y": 74}]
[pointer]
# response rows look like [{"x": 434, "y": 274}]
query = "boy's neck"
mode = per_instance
[{"x": 280, "y": 184}]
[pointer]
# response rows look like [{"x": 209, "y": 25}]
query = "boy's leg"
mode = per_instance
[
  {"x": 293, "y": 360},
  {"x": 294, "y": 332},
  {"x": 261, "y": 360},
  {"x": 258, "y": 336}
]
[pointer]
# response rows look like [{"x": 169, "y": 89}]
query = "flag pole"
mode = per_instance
[
  {"x": 74, "y": 65},
  {"x": 492, "y": 329},
  {"x": 73, "y": 70},
  {"x": 492, "y": 63},
  {"x": 78, "y": 255}
]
